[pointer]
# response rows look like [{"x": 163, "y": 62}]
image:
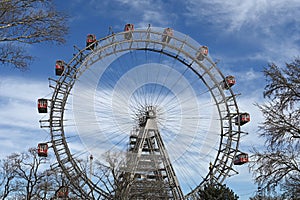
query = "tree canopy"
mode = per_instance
[{"x": 217, "y": 191}]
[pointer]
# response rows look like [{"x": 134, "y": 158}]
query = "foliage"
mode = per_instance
[
  {"x": 27, "y": 22},
  {"x": 278, "y": 165},
  {"x": 217, "y": 191}
]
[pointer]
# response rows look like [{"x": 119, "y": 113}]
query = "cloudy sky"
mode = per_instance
[{"x": 242, "y": 36}]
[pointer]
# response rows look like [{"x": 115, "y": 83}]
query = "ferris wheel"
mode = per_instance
[{"x": 151, "y": 106}]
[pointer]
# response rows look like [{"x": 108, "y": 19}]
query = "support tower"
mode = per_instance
[{"x": 148, "y": 172}]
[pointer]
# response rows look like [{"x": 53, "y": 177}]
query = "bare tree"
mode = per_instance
[
  {"x": 49, "y": 183},
  {"x": 278, "y": 165},
  {"x": 7, "y": 176},
  {"x": 26, "y": 22},
  {"x": 28, "y": 173},
  {"x": 114, "y": 177},
  {"x": 23, "y": 176},
  {"x": 20, "y": 175}
]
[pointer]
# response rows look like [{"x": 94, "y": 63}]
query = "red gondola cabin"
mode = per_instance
[
  {"x": 168, "y": 33},
  {"x": 62, "y": 192},
  {"x": 42, "y": 150},
  {"x": 202, "y": 53},
  {"x": 128, "y": 29},
  {"x": 228, "y": 82},
  {"x": 59, "y": 67},
  {"x": 90, "y": 41},
  {"x": 240, "y": 159},
  {"x": 242, "y": 119},
  {"x": 42, "y": 105}
]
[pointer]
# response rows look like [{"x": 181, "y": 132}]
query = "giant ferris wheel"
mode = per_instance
[{"x": 152, "y": 112}]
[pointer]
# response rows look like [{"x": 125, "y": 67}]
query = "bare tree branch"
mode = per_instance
[
  {"x": 28, "y": 22},
  {"x": 283, "y": 85},
  {"x": 278, "y": 164}
]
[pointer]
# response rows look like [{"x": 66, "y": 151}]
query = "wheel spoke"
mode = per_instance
[{"x": 105, "y": 92}]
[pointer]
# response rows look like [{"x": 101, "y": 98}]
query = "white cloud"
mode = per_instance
[
  {"x": 19, "y": 101},
  {"x": 139, "y": 12},
  {"x": 19, "y": 118},
  {"x": 274, "y": 26},
  {"x": 136, "y": 4},
  {"x": 15, "y": 140},
  {"x": 235, "y": 14},
  {"x": 22, "y": 89}
]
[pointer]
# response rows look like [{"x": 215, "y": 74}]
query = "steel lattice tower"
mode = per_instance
[{"x": 148, "y": 171}]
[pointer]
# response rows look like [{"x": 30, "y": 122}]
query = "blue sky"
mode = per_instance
[{"x": 243, "y": 36}]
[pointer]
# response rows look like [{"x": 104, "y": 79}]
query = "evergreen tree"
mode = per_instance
[{"x": 216, "y": 192}]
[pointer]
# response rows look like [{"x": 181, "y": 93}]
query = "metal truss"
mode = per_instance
[{"x": 182, "y": 48}]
